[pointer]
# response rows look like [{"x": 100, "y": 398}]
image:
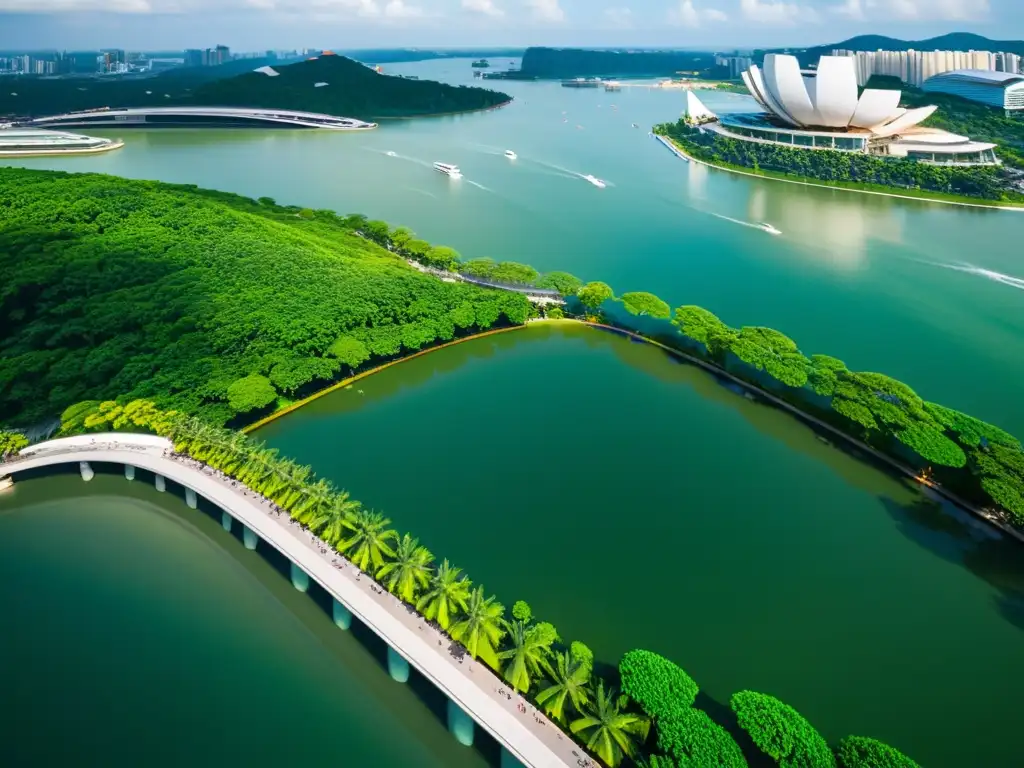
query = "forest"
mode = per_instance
[
  {"x": 984, "y": 182},
  {"x": 352, "y": 90},
  {"x": 577, "y": 62},
  {"x": 206, "y": 302}
]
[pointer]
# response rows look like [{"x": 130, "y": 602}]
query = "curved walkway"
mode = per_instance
[
  {"x": 127, "y": 117},
  {"x": 526, "y": 735}
]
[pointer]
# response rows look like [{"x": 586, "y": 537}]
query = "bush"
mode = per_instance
[
  {"x": 781, "y": 732},
  {"x": 661, "y": 688}
]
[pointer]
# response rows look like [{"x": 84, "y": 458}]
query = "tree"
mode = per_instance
[
  {"x": 521, "y": 611},
  {"x": 251, "y": 393},
  {"x": 409, "y": 572},
  {"x": 11, "y": 442},
  {"x": 694, "y": 740},
  {"x": 642, "y": 303},
  {"x": 446, "y": 596},
  {"x": 570, "y": 686},
  {"x": 768, "y": 350},
  {"x": 608, "y": 732},
  {"x": 661, "y": 688},
  {"x": 780, "y": 731},
  {"x": 377, "y": 231},
  {"x": 442, "y": 257},
  {"x": 514, "y": 272},
  {"x": 480, "y": 629},
  {"x": 563, "y": 282},
  {"x": 529, "y": 654},
  {"x": 593, "y": 295},
  {"x": 400, "y": 237},
  {"x": 368, "y": 543},
  {"x": 704, "y": 327},
  {"x": 862, "y": 752},
  {"x": 349, "y": 351}
]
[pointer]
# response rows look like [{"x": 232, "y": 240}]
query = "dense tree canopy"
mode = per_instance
[
  {"x": 593, "y": 295},
  {"x": 862, "y": 752},
  {"x": 661, "y": 688},
  {"x": 781, "y": 732},
  {"x": 693, "y": 740},
  {"x": 643, "y": 303}
]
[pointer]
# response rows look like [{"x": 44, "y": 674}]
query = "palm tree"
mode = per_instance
[
  {"x": 409, "y": 572},
  {"x": 447, "y": 595},
  {"x": 531, "y": 648},
  {"x": 369, "y": 540},
  {"x": 608, "y": 731},
  {"x": 480, "y": 630},
  {"x": 569, "y": 682},
  {"x": 342, "y": 511},
  {"x": 313, "y": 509}
]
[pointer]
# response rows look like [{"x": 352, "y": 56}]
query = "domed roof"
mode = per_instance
[{"x": 828, "y": 98}]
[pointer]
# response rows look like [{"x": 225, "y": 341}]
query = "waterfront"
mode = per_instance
[
  {"x": 781, "y": 563},
  {"x": 155, "y": 637},
  {"x": 926, "y": 293}
]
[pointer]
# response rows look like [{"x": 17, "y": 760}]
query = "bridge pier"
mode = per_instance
[
  {"x": 508, "y": 760},
  {"x": 129, "y": 472},
  {"x": 160, "y": 482},
  {"x": 86, "y": 470},
  {"x": 342, "y": 615},
  {"x": 300, "y": 579},
  {"x": 250, "y": 539},
  {"x": 460, "y": 724},
  {"x": 398, "y": 667},
  {"x": 225, "y": 521},
  {"x": 190, "y": 498}
]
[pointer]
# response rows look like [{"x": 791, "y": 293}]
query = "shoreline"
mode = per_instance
[
  {"x": 728, "y": 169},
  {"x": 447, "y": 114}
]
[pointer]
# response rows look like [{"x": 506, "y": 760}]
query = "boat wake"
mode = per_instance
[
  {"x": 763, "y": 227},
  {"x": 478, "y": 185},
  {"x": 422, "y": 192},
  {"x": 989, "y": 274},
  {"x": 397, "y": 156}
]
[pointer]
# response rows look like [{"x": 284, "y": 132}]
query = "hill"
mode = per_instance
[
  {"x": 206, "y": 302},
  {"x": 955, "y": 41},
  {"x": 560, "y": 63},
  {"x": 351, "y": 90}
]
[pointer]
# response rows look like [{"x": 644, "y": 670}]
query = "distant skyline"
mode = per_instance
[{"x": 264, "y": 24}]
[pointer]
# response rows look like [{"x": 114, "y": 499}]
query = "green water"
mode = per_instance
[
  {"x": 878, "y": 282},
  {"x": 137, "y": 632},
  {"x": 635, "y": 502}
]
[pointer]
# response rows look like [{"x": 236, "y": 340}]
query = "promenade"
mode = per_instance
[{"x": 525, "y": 734}]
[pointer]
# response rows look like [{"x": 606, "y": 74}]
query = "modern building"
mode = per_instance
[
  {"x": 24, "y": 142},
  {"x": 199, "y": 117},
  {"x": 822, "y": 109},
  {"x": 996, "y": 89},
  {"x": 914, "y": 67}
]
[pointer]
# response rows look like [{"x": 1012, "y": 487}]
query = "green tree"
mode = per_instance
[
  {"x": 480, "y": 629},
  {"x": 781, "y": 732},
  {"x": 349, "y": 351},
  {"x": 369, "y": 542},
  {"x": 593, "y": 295},
  {"x": 570, "y": 686},
  {"x": 661, "y": 688},
  {"x": 642, "y": 303},
  {"x": 521, "y": 611},
  {"x": 400, "y": 238},
  {"x": 606, "y": 730},
  {"x": 862, "y": 752},
  {"x": 768, "y": 350},
  {"x": 704, "y": 327},
  {"x": 529, "y": 654},
  {"x": 563, "y": 282},
  {"x": 251, "y": 393},
  {"x": 694, "y": 740},
  {"x": 442, "y": 257},
  {"x": 11, "y": 442},
  {"x": 409, "y": 572},
  {"x": 446, "y": 597},
  {"x": 377, "y": 231}
]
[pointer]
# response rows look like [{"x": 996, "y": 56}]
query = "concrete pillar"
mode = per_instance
[
  {"x": 86, "y": 470},
  {"x": 398, "y": 667},
  {"x": 250, "y": 539},
  {"x": 190, "y": 498},
  {"x": 160, "y": 482},
  {"x": 300, "y": 579},
  {"x": 508, "y": 760},
  {"x": 342, "y": 615},
  {"x": 129, "y": 472},
  {"x": 460, "y": 724},
  {"x": 225, "y": 521}
]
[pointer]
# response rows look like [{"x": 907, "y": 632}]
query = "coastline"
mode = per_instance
[
  {"x": 921, "y": 199},
  {"x": 446, "y": 114}
]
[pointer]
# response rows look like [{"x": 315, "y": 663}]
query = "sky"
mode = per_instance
[{"x": 249, "y": 25}]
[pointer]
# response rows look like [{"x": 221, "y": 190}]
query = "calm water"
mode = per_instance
[
  {"x": 635, "y": 502},
  {"x": 154, "y": 638},
  {"x": 929, "y": 294}
]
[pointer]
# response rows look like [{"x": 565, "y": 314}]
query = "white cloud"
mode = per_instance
[
  {"x": 945, "y": 10},
  {"x": 776, "y": 12},
  {"x": 853, "y": 9},
  {"x": 397, "y": 9},
  {"x": 485, "y": 7},
  {"x": 621, "y": 18},
  {"x": 64, "y": 6},
  {"x": 546, "y": 10},
  {"x": 686, "y": 14}
]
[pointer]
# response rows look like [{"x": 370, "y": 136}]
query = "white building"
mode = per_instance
[
  {"x": 996, "y": 89},
  {"x": 914, "y": 67}
]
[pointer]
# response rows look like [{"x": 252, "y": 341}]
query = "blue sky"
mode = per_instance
[{"x": 261, "y": 24}]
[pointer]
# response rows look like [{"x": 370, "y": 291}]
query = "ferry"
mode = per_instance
[
  {"x": 769, "y": 228},
  {"x": 582, "y": 82},
  {"x": 448, "y": 170},
  {"x": 510, "y": 154},
  {"x": 595, "y": 181}
]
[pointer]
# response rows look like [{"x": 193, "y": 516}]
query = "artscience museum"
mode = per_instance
[{"x": 823, "y": 109}]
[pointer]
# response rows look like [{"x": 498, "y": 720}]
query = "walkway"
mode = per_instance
[
  {"x": 536, "y": 295},
  {"x": 514, "y": 723}
]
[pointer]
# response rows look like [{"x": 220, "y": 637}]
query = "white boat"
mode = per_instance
[
  {"x": 389, "y": 153},
  {"x": 510, "y": 154},
  {"x": 448, "y": 170},
  {"x": 595, "y": 181},
  {"x": 770, "y": 229}
]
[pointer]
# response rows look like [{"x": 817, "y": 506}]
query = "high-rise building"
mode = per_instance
[{"x": 914, "y": 67}]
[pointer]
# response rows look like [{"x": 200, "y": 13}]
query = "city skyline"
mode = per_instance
[{"x": 261, "y": 24}]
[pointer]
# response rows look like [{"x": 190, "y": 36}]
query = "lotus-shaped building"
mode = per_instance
[{"x": 824, "y": 109}]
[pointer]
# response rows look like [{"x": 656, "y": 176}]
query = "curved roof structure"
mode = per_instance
[
  {"x": 981, "y": 76},
  {"x": 829, "y": 99},
  {"x": 203, "y": 116},
  {"x": 997, "y": 89}
]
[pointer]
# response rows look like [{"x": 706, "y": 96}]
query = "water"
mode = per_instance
[
  {"x": 634, "y": 502},
  {"x": 860, "y": 277},
  {"x": 152, "y": 637}
]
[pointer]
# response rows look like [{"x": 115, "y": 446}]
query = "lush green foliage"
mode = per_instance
[
  {"x": 409, "y": 572},
  {"x": 862, "y": 752},
  {"x": 575, "y": 62},
  {"x": 352, "y": 90},
  {"x": 693, "y": 740},
  {"x": 198, "y": 299},
  {"x": 661, "y": 688},
  {"x": 481, "y": 628},
  {"x": 593, "y": 295},
  {"x": 643, "y": 303},
  {"x": 569, "y": 690},
  {"x": 768, "y": 350},
  {"x": 447, "y": 595},
  {"x": 607, "y": 730},
  {"x": 987, "y": 182},
  {"x": 781, "y": 732},
  {"x": 11, "y": 442},
  {"x": 529, "y": 654}
]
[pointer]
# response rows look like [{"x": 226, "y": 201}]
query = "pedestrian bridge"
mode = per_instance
[
  {"x": 191, "y": 117},
  {"x": 476, "y": 696}
]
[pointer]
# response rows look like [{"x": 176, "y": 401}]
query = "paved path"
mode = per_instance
[{"x": 511, "y": 720}]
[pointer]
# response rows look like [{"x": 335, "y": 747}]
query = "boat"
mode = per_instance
[
  {"x": 635, "y": 125},
  {"x": 389, "y": 153},
  {"x": 581, "y": 82},
  {"x": 769, "y": 228},
  {"x": 448, "y": 170},
  {"x": 595, "y": 181},
  {"x": 510, "y": 154}
]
